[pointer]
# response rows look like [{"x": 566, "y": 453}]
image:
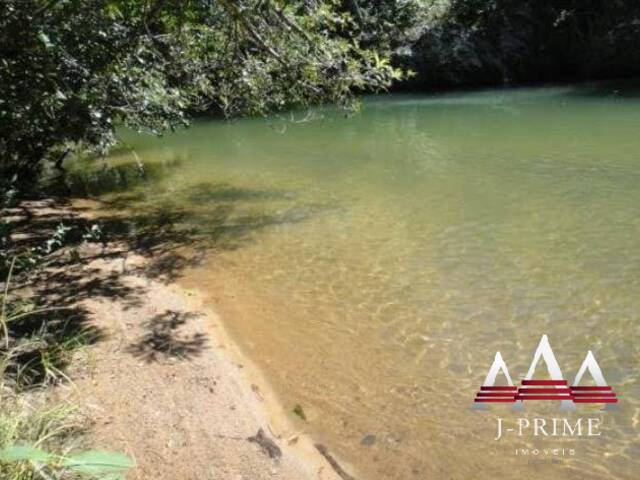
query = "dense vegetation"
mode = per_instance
[
  {"x": 71, "y": 70},
  {"x": 497, "y": 42}
]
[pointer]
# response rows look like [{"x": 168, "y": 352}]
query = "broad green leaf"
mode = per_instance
[
  {"x": 95, "y": 462},
  {"x": 16, "y": 453},
  {"x": 113, "y": 476}
]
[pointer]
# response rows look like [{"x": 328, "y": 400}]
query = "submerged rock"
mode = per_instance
[{"x": 368, "y": 440}]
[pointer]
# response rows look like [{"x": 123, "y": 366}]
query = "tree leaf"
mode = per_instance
[
  {"x": 44, "y": 38},
  {"x": 95, "y": 462},
  {"x": 17, "y": 453},
  {"x": 113, "y": 476}
]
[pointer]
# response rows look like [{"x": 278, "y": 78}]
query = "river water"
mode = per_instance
[{"x": 371, "y": 265}]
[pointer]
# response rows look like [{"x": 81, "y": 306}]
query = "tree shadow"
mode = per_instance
[
  {"x": 165, "y": 339},
  {"x": 170, "y": 234},
  {"x": 94, "y": 176},
  {"x": 178, "y": 233},
  {"x": 41, "y": 346}
]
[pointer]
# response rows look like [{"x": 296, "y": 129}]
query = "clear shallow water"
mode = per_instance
[{"x": 372, "y": 265}]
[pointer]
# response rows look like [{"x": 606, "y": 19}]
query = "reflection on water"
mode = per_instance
[{"x": 372, "y": 266}]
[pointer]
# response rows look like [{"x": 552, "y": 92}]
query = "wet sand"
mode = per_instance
[{"x": 164, "y": 383}]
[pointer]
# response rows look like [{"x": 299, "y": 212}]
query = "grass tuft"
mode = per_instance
[
  {"x": 26, "y": 420},
  {"x": 37, "y": 440}
]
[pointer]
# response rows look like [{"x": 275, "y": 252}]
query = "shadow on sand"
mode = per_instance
[
  {"x": 170, "y": 235},
  {"x": 165, "y": 340}
]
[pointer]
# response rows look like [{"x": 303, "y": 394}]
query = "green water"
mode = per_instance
[{"x": 372, "y": 265}]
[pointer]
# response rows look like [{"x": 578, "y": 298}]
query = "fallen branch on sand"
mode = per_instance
[{"x": 333, "y": 462}]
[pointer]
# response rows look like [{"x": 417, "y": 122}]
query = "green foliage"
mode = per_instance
[
  {"x": 466, "y": 42},
  {"x": 38, "y": 441},
  {"x": 70, "y": 71},
  {"x": 26, "y": 354},
  {"x": 32, "y": 435},
  {"x": 57, "y": 240},
  {"x": 19, "y": 453},
  {"x": 388, "y": 24},
  {"x": 29, "y": 257},
  {"x": 28, "y": 461},
  {"x": 96, "y": 463}
]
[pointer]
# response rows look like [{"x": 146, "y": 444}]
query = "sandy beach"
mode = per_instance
[{"x": 163, "y": 382}]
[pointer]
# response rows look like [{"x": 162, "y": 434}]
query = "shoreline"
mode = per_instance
[
  {"x": 163, "y": 381},
  {"x": 244, "y": 404},
  {"x": 269, "y": 407}
]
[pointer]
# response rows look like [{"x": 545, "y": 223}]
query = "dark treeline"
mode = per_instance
[
  {"x": 509, "y": 42},
  {"x": 71, "y": 71}
]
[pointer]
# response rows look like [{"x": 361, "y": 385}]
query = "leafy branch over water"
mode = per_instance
[{"x": 72, "y": 71}]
